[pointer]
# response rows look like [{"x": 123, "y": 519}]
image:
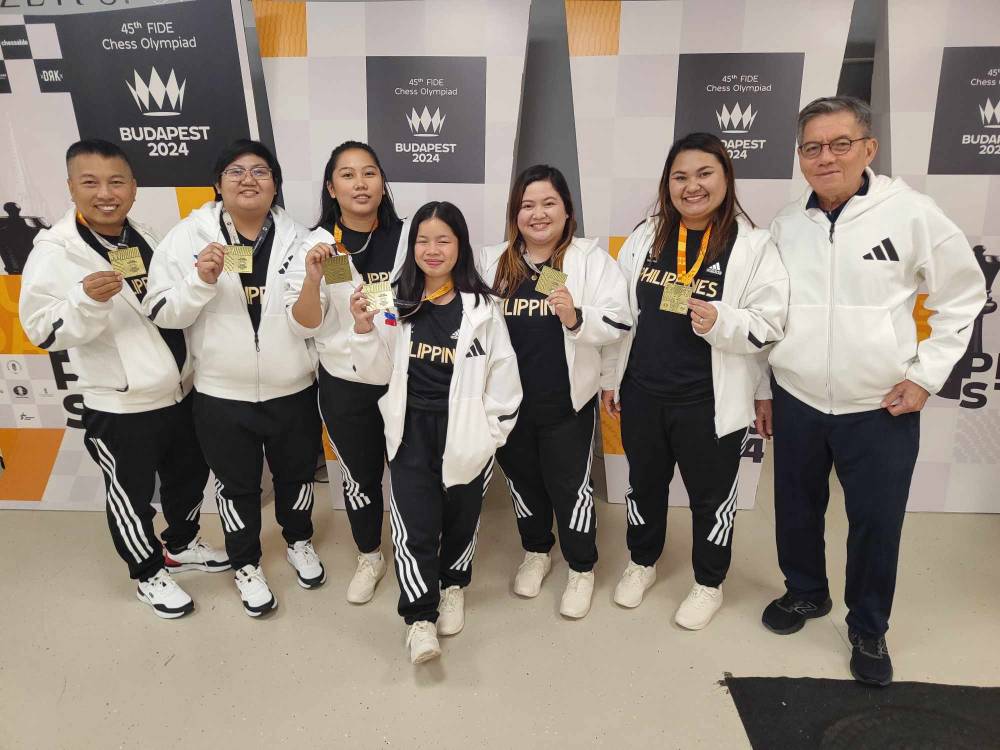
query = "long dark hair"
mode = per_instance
[
  {"x": 329, "y": 209},
  {"x": 723, "y": 223},
  {"x": 410, "y": 285},
  {"x": 512, "y": 269},
  {"x": 238, "y": 148}
]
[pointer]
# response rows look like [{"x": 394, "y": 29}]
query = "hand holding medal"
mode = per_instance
[
  {"x": 102, "y": 285},
  {"x": 315, "y": 261},
  {"x": 703, "y": 315},
  {"x": 362, "y": 311},
  {"x": 561, "y": 302},
  {"x": 210, "y": 262}
]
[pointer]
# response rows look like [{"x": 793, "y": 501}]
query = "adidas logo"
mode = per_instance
[
  {"x": 476, "y": 350},
  {"x": 454, "y": 336},
  {"x": 882, "y": 251},
  {"x": 714, "y": 268}
]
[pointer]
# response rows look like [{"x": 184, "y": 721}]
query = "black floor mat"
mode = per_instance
[{"x": 786, "y": 713}]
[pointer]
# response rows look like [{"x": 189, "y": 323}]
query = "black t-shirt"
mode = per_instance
[
  {"x": 433, "y": 336},
  {"x": 255, "y": 282},
  {"x": 668, "y": 359},
  {"x": 172, "y": 337},
  {"x": 375, "y": 262},
  {"x": 537, "y": 337}
]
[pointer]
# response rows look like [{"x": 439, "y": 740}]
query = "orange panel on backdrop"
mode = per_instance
[
  {"x": 611, "y": 434},
  {"x": 281, "y": 28},
  {"x": 922, "y": 316},
  {"x": 190, "y": 198},
  {"x": 593, "y": 27},
  {"x": 12, "y": 337},
  {"x": 29, "y": 455},
  {"x": 328, "y": 446},
  {"x": 615, "y": 245}
]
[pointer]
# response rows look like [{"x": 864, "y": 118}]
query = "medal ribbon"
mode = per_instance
[
  {"x": 338, "y": 240},
  {"x": 234, "y": 237},
  {"x": 441, "y": 291},
  {"x": 684, "y": 276},
  {"x": 122, "y": 241}
]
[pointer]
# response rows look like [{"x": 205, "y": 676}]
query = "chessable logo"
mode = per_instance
[
  {"x": 737, "y": 119},
  {"x": 156, "y": 98},
  {"x": 990, "y": 114},
  {"x": 425, "y": 125}
]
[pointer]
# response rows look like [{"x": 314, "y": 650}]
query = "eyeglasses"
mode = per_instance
[
  {"x": 838, "y": 146},
  {"x": 236, "y": 174}
]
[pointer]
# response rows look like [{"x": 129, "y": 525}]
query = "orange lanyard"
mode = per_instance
[
  {"x": 338, "y": 243},
  {"x": 441, "y": 291},
  {"x": 684, "y": 276}
]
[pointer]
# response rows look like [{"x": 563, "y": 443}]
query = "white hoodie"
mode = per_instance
[
  {"x": 123, "y": 364},
  {"x": 751, "y": 317},
  {"x": 599, "y": 290},
  {"x": 483, "y": 398},
  {"x": 230, "y": 360},
  {"x": 850, "y": 335},
  {"x": 332, "y": 335}
]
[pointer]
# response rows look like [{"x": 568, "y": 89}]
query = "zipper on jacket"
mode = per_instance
[
  {"x": 256, "y": 343},
  {"x": 829, "y": 332}
]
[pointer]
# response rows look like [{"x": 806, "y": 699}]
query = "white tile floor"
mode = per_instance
[{"x": 85, "y": 665}]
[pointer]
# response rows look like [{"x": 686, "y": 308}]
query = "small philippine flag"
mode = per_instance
[{"x": 390, "y": 319}]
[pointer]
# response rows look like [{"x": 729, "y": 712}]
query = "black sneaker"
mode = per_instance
[
  {"x": 788, "y": 614},
  {"x": 870, "y": 662}
]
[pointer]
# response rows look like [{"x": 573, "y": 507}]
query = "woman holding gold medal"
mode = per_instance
[
  {"x": 358, "y": 239},
  {"x": 557, "y": 334},
  {"x": 709, "y": 294},
  {"x": 452, "y": 400},
  {"x": 220, "y": 273}
]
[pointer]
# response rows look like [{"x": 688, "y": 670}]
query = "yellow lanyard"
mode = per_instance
[
  {"x": 441, "y": 291},
  {"x": 338, "y": 240},
  {"x": 684, "y": 276}
]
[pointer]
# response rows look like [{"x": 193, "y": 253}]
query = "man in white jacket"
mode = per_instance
[
  {"x": 851, "y": 375},
  {"x": 77, "y": 295}
]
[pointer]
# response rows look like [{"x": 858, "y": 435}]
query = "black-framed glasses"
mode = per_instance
[
  {"x": 238, "y": 173},
  {"x": 838, "y": 146}
]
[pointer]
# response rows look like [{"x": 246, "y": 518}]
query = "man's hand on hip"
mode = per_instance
[{"x": 904, "y": 398}]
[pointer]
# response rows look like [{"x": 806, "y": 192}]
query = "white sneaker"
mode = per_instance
[
  {"x": 421, "y": 638},
  {"x": 576, "y": 598},
  {"x": 162, "y": 593},
  {"x": 633, "y": 584},
  {"x": 306, "y": 562},
  {"x": 451, "y": 611},
  {"x": 366, "y": 578},
  {"x": 531, "y": 572},
  {"x": 257, "y": 597},
  {"x": 700, "y": 606},
  {"x": 197, "y": 556}
]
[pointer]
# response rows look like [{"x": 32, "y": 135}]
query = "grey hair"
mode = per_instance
[{"x": 828, "y": 105}]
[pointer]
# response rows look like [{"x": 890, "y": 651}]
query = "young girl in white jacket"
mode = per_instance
[
  {"x": 453, "y": 398},
  {"x": 255, "y": 391},
  {"x": 708, "y": 293},
  {"x": 557, "y": 338},
  {"x": 357, "y": 220}
]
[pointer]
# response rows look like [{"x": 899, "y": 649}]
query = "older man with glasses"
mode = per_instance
[{"x": 851, "y": 375}]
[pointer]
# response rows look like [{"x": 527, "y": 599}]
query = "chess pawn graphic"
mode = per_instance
[{"x": 990, "y": 265}]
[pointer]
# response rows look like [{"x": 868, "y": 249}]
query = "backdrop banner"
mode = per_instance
[
  {"x": 646, "y": 73},
  {"x": 434, "y": 86},
  {"x": 170, "y": 83},
  {"x": 937, "y": 92}
]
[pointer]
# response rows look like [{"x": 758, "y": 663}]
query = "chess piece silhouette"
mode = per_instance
[{"x": 17, "y": 234}]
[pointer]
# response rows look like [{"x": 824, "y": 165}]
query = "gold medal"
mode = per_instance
[
  {"x": 676, "y": 294},
  {"x": 379, "y": 296},
  {"x": 127, "y": 261},
  {"x": 675, "y": 298},
  {"x": 337, "y": 269},
  {"x": 549, "y": 279},
  {"x": 238, "y": 259}
]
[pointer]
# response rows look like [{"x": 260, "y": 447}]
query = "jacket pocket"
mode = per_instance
[
  {"x": 224, "y": 349},
  {"x": 802, "y": 354},
  {"x": 99, "y": 367},
  {"x": 866, "y": 359},
  {"x": 285, "y": 358},
  {"x": 469, "y": 444}
]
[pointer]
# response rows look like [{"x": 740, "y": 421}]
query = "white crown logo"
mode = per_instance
[
  {"x": 425, "y": 125},
  {"x": 990, "y": 114},
  {"x": 157, "y": 99},
  {"x": 736, "y": 121}
]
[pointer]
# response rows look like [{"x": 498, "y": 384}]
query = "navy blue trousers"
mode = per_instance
[{"x": 873, "y": 453}]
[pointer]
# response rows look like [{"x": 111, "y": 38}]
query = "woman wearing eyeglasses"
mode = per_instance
[
  {"x": 359, "y": 223},
  {"x": 220, "y": 272},
  {"x": 557, "y": 337},
  {"x": 452, "y": 400},
  {"x": 708, "y": 294}
]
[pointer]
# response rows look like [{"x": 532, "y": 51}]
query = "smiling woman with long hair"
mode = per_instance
[
  {"x": 557, "y": 337},
  {"x": 357, "y": 221},
  {"x": 452, "y": 400},
  {"x": 709, "y": 294}
]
